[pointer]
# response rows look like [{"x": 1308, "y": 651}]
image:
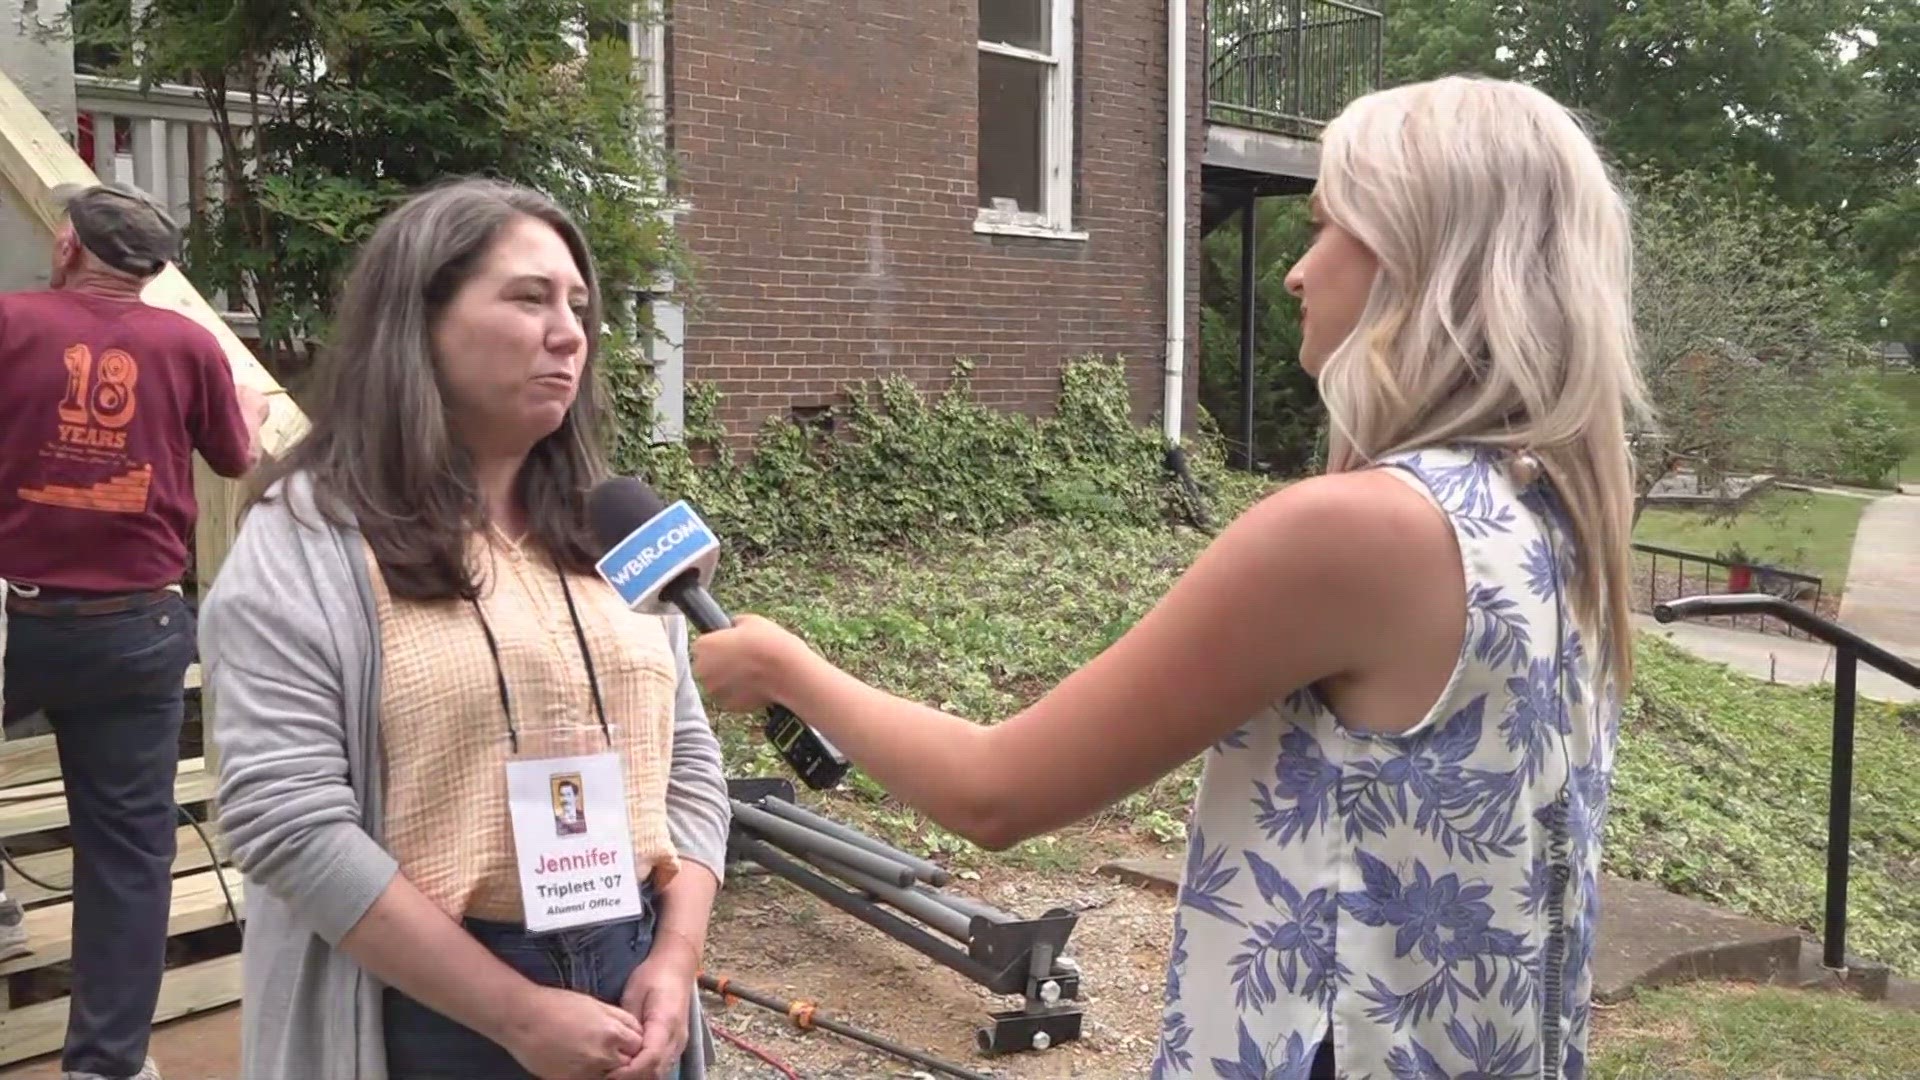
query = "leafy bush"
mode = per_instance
[
  {"x": 899, "y": 464},
  {"x": 1837, "y": 427},
  {"x": 1868, "y": 432}
]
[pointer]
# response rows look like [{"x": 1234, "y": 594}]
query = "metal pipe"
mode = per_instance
[
  {"x": 1840, "y": 807},
  {"x": 1173, "y": 390},
  {"x": 799, "y": 839},
  {"x": 1248, "y": 275},
  {"x": 800, "y": 815},
  {"x": 859, "y": 907},
  {"x": 1794, "y": 615},
  {"x": 967, "y": 905},
  {"x": 805, "y": 1016},
  {"x": 928, "y": 910}
]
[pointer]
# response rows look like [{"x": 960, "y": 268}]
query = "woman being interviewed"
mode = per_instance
[
  {"x": 431, "y": 714},
  {"x": 1405, "y": 675}
]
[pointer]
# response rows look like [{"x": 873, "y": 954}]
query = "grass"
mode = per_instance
[
  {"x": 1811, "y": 532},
  {"x": 1709, "y": 1032},
  {"x": 979, "y": 628},
  {"x": 1721, "y": 789},
  {"x": 1720, "y": 792},
  {"x": 1905, "y": 385}
]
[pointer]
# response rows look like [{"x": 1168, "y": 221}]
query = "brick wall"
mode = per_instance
[{"x": 826, "y": 150}]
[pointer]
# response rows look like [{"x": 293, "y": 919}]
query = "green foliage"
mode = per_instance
[
  {"x": 1715, "y": 1032},
  {"x": 979, "y": 625},
  {"x": 1867, "y": 433},
  {"x": 1903, "y": 386},
  {"x": 1835, "y": 425},
  {"x": 1288, "y": 422},
  {"x": 1741, "y": 307},
  {"x": 902, "y": 465},
  {"x": 365, "y": 101},
  {"x": 1812, "y": 100},
  {"x": 1721, "y": 789},
  {"x": 1721, "y": 793}
]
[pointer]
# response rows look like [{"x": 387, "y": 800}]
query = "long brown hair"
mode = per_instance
[{"x": 379, "y": 449}]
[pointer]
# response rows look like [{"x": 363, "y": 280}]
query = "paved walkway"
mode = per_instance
[
  {"x": 1774, "y": 657},
  {"x": 1882, "y": 598},
  {"x": 1881, "y": 603}
]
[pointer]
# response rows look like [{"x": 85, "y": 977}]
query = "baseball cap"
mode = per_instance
[{"x": 123, "y": 226}]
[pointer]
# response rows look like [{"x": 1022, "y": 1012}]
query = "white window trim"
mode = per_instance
[{"x": 1055, "y": 219}]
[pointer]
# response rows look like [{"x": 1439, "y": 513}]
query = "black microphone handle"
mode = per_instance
[
  {"x": 699, "y": 606},
  {"x": 818, "y": 762}
]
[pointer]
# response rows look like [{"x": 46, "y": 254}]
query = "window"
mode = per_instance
[{"x": 1026, "y": 117}]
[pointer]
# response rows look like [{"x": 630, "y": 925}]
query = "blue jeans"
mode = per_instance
[
  {"x": 112, "y": 689},
  {"x": 424, "y": 1045}
]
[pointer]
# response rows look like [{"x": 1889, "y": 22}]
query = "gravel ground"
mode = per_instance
[{"x": 771, "y": 937}]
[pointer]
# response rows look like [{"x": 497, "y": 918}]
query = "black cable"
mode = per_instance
[
  {"x": 219, "y": 872},
  {"x": 233, "y": 910},
  {"x": 15, "y": 867}
]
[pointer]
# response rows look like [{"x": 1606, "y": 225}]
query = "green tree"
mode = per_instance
[
  {"x": 361, "y": 102},
  {"x": 1680, "y": 85},
  {"x": 1742, "y": 309}
]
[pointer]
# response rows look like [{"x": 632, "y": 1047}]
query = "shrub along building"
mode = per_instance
[{"x": 868, "y": 188}]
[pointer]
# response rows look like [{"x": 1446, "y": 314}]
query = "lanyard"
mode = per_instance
[{"x": 586, "y": 656}]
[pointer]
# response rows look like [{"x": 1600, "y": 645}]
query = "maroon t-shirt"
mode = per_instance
[{"x": 102, "y": 405}]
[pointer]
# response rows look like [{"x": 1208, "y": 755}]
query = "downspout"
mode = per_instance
[
  {"x": 1176, "y": 462},
  {"x": 1176, "y": 216}
]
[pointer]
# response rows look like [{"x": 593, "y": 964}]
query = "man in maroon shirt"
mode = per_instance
[{"x": 103, "y": 402}]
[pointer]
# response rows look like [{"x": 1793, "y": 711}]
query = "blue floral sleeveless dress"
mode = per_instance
[{"x": 1428, "y": 900}]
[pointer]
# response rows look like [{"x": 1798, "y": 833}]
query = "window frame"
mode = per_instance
[{"x": 1054, "y": 219}]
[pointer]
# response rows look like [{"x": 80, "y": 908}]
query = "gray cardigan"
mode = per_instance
[{"x": 290, "y": 656}]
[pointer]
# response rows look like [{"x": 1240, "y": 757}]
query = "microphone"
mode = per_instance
[{"x": 662, "y": 557}]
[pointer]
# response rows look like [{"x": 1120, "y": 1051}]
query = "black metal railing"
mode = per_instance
[
  {"x": 1688, "y": 567},
  {"x": 1289, "y": 66},
  {"x": 1849, "y": 650}
]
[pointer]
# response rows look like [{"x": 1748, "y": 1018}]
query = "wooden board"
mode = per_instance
[
  {"x": 198, "y": 904},
  {"x": 45, "y": 789},
  {"x": 50, "y": 811},
  {"x": 56, "y": 867},
  {"x": 42, "y": 1029}
]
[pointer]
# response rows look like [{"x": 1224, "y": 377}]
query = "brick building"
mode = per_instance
[{"x": 872, "y": 188}]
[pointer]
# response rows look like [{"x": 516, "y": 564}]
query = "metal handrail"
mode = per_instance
[
  {"x": 1849, "y": 649},
  {"x": 1764, "y": 573}
]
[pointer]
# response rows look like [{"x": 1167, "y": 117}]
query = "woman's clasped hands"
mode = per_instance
[{"x": 561, "y": 1034}]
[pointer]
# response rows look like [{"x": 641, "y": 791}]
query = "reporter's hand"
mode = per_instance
[
  {"x": 744, "y": 667},
  {"x": 562, "y": 1035},
  {"x": 660, "y": 994}
]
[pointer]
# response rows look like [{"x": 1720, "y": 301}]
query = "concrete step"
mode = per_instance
[
  {"x": 1870, "y": 981},
  {"x": 1648, "y": 936}
]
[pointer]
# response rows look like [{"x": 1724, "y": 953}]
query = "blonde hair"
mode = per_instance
[{"x": 1502, "y": 314}]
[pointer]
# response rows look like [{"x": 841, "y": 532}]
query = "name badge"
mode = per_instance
[{"x": 572, "y": 841}]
